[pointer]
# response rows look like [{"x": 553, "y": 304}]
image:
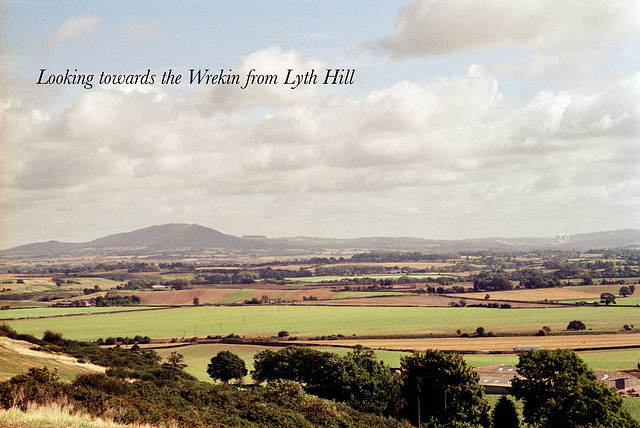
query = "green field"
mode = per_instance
[
  {"x": 311, "y": 321},
  {"x": 15, "y": 314}
]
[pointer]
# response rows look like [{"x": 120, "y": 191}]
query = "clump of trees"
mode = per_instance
[
  {"x": 434, "y": 387},
  {"x": 491, "y": 281},
  {"x": 358, "y": 378}
]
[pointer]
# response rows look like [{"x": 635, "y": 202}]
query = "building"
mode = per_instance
[{"x": 497, "y": 379}]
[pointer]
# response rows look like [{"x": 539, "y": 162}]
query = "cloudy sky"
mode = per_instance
[{"x": 466, "y": 118}]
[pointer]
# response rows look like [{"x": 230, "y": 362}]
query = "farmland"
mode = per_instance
[
  {"x": 313, "y": 321},
  {"x": 393, "y": 305}
]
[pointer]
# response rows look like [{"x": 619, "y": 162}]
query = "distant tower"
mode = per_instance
[{"x": 563, "y": 239}]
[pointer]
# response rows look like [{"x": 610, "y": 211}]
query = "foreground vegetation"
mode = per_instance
[
  {"x": 297, "y": 386},
  {"x": 136, "y": 388}
]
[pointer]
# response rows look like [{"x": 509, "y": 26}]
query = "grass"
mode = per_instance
[
  {"x": 239, "y": 295},
  {"x": 54, "y": 416},
  {"x": 311, "y": 321},
  {"x": 14, "y": 314},
  {"x": 17, "y": 357},
  {"x": 632, "y": 405}
]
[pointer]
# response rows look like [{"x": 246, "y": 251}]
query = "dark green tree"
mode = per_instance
[
  {"x": 560, "y": 391},
  {"x": 608, "y": 298},
  {"x": 504, "y": 414},
  {"x": 576, "y": 325},
  {"x": 625, "y": 291},
  {"x": 360, "y": 380},
  {"x": 441, "y": 389},
  {"x": 226, "y": 366}
]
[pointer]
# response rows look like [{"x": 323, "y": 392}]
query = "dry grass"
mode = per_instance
[
  {"x": 488, "y": 344},
  {"x": 55, "y": 415},
  {"x": 17, "y": 356}
]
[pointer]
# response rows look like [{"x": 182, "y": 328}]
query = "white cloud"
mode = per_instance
[
  {"x": 559, "y": 35},
  {"x": 73, "y": 28},
  {"x": 444, "y": 26},
  {"x": 425, "y": 158}
]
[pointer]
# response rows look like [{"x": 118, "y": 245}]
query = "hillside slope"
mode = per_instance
[{"x": 17, "y": 356}]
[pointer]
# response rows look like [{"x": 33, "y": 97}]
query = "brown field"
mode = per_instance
[
  {"x": 488, "y": 344},
  {"x": 535, "y": 295},
  {"x": 427, "y": 300}
]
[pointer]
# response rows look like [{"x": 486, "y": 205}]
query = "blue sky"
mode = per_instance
[{"x": 466, "y": 119}]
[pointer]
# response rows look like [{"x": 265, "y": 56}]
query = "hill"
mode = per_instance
[
  {"x": 188, "y": 237},
  {"x": 18, "y": 356}
]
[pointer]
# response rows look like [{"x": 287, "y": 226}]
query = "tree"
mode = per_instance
[
  {"x": 175, "y": 361},
  {"x": 440, "y": 388},
  {"x": 504, "y": 414},
  {"x": 196, "y": 301},
  {"x": 625, "y": 291},
  {"x": 576, "y": 325},
  {"x": 226, "y": 366},
  {"x": 607, "y": 298},
  {"x": 560, "y": 391}
]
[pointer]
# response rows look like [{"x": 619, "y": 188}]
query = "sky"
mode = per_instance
[{"x": 462, "y": 119}]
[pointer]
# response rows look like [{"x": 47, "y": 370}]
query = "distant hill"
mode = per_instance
[
  {"x": 181, "y": 236},
  {"x": 172, "y": 237},
  {"x": 167, "y": 237}
]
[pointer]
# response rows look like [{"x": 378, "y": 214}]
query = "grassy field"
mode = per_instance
[
  {"x": 15, "y": 314},
  {"x": 311, "y": 321}
]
